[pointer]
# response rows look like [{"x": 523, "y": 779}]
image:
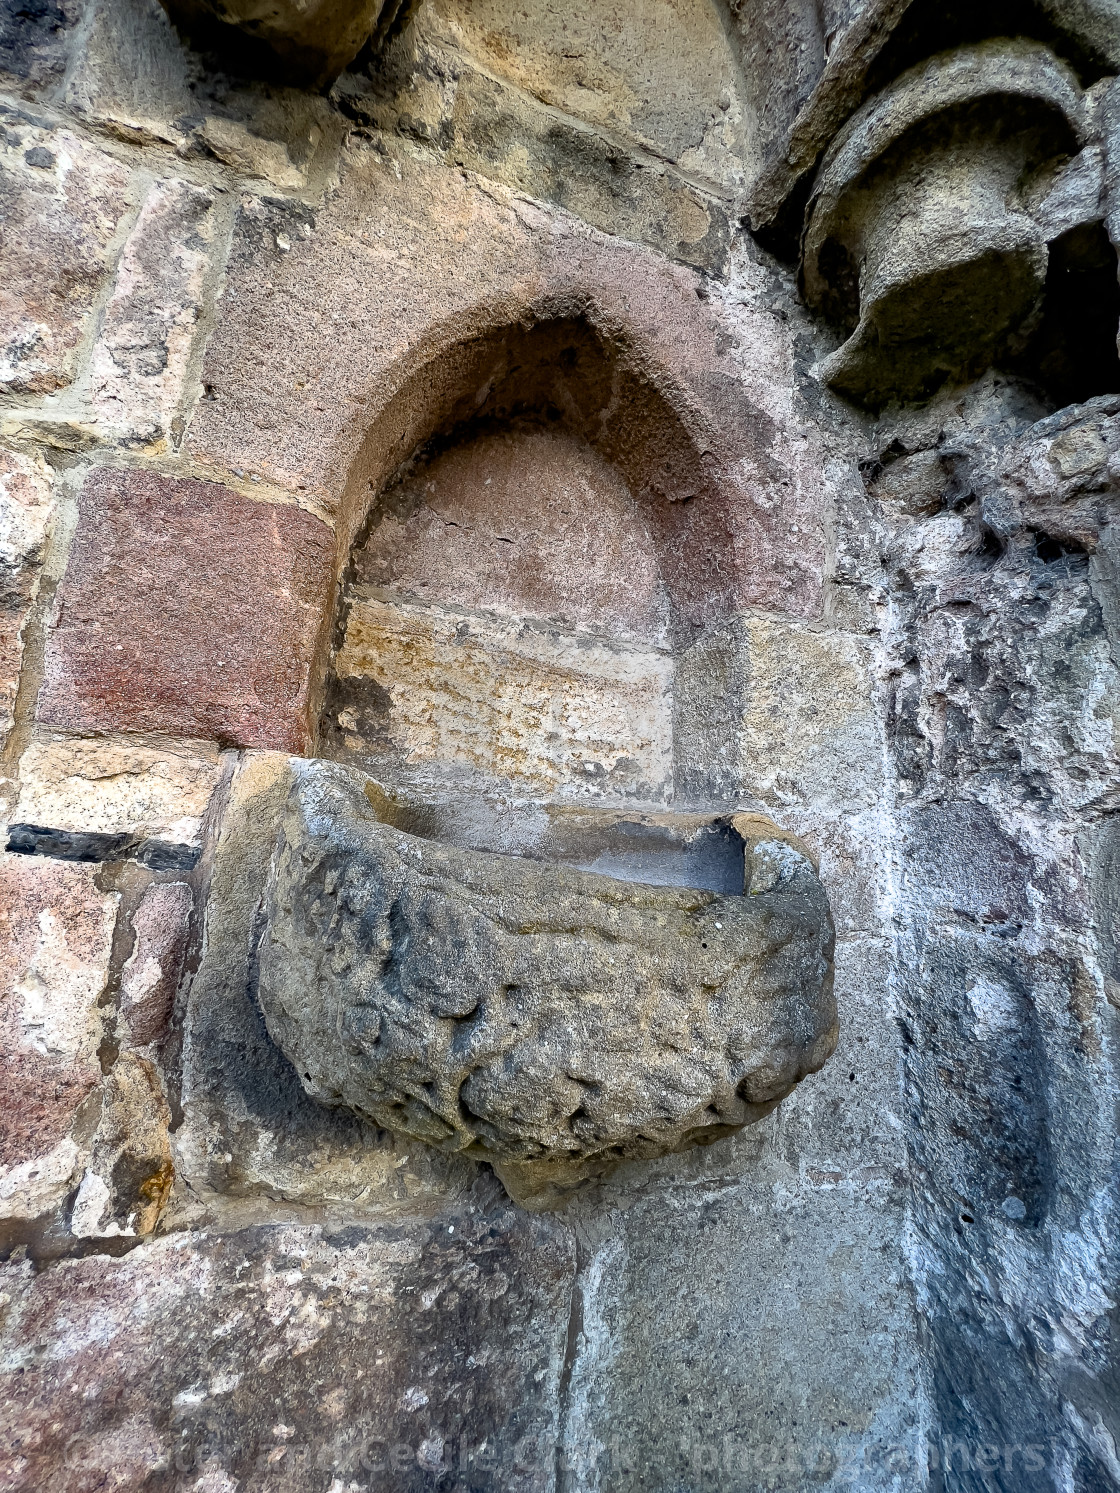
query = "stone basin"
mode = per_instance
[{"x": 549, "y": 1020}]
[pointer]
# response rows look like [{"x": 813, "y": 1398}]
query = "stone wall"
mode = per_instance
[{"x": 476, "y": 410}]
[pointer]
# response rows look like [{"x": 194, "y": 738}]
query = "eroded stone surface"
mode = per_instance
[
  {"x": 64, "y": 200},
  {"x": 57, "y": 937},
  {"x": 249, "y": 1129},
  {"x": 532, "y": 1014},
  {"x": 139, "y": 362},
  {"x": 26, "y": 515},
  {"x": 34, "y": 42},
  {"x": 187, "y": 609},
  {"x": 529, "y": 522},
  {"x": 336, "y": 1369}
]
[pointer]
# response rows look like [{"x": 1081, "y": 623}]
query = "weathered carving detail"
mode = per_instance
[
  {"x": 551, "y": 1021},
  {"x": 928, "y": 226},
  {"x": 311, "y": 42}
]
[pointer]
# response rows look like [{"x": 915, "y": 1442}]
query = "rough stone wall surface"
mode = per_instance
[{"x": 450, "y": 421}]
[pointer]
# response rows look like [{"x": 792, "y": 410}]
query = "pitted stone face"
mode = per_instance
[{"x": 549, "y": 1020}]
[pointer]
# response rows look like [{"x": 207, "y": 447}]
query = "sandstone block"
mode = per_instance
[
  {"x": 293, "y": 1357},
  {"x": 187, "y": 609},
  {"x": 504, "y": 135},
  {"x": 151, "y": 973},
  {"x": 139, "y": 362},
  {"x": 63, "y": 203},
  {"x": 551, "y": 1021},
  {"x": 94, "y": 786},
  {"x": 807, "y": 728},
  {"x": 662, "y": 76},
  {"x": 132, "y": 72},
  {"x": 129, "y": 1176},
  {"x": 26, "y": 513},
  {"x": 502, "y": 700},
  {"x": 56, "y": 931}
]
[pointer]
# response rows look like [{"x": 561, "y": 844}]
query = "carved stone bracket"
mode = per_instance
[
  {"x": 549, "y": 1020},
  {"x": 928, "y": 226}
]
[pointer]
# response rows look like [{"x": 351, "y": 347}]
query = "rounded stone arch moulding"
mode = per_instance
[
  {"x": 705, "y": 469},
  {"x": 573, "y": 395},
  {"x": 355, "y": 391}
]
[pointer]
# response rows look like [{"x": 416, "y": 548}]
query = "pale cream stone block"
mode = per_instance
[{"x": 106, "y": 787}]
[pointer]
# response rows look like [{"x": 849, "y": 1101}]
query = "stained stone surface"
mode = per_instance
[
  {"x": 26, "y": 514},
  {"x": 293, "y": 1357},
  {"x": 186, "y": 608},
  {"x": 894, "y": 634},
  {"x": 535, "y": 1016}
]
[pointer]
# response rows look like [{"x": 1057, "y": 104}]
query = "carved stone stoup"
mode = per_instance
[{"x": 551, "y": 1021}]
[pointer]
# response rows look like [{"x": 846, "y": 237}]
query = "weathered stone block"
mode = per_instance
[
  {"x": 56, "y": 931},
  {"x": 550, "y": 1021},
  {"x": 662, "y": 75},
  {"x": 35, "y": 40},
  {"x": 500, "y": 133},
  {"x": 151, "y": 973},
  {"x": 806, "y": 728},
  {"x": 187, "y": 609},
  {"x": 231, "y": 142},
  {"x": 294, "y": 1357},
  {"x": 497, "y": 698},
  {"x": 26, "y": 513},
  {"x": 139, "y": 362},
  {"x": 93, "y": 786},
  {"x": 63, "y": 201},
  {"x": 131, "y": 73}
]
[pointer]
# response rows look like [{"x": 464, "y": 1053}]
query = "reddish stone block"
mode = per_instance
[
  {"x": 290, "y": 1358},
  {"x": 189, "y": 609},
  {"x": 151, "y": 973}
]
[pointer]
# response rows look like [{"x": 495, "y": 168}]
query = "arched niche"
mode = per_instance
[{"x": 538, "y": 530}]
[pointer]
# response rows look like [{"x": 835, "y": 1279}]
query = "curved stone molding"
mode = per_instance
[
  {"x": 925, "y": 235},
  {"x": 551, "y": 1021}
]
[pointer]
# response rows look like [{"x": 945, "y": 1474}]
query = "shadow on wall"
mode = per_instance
[{"x": 518, "y": 589}]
